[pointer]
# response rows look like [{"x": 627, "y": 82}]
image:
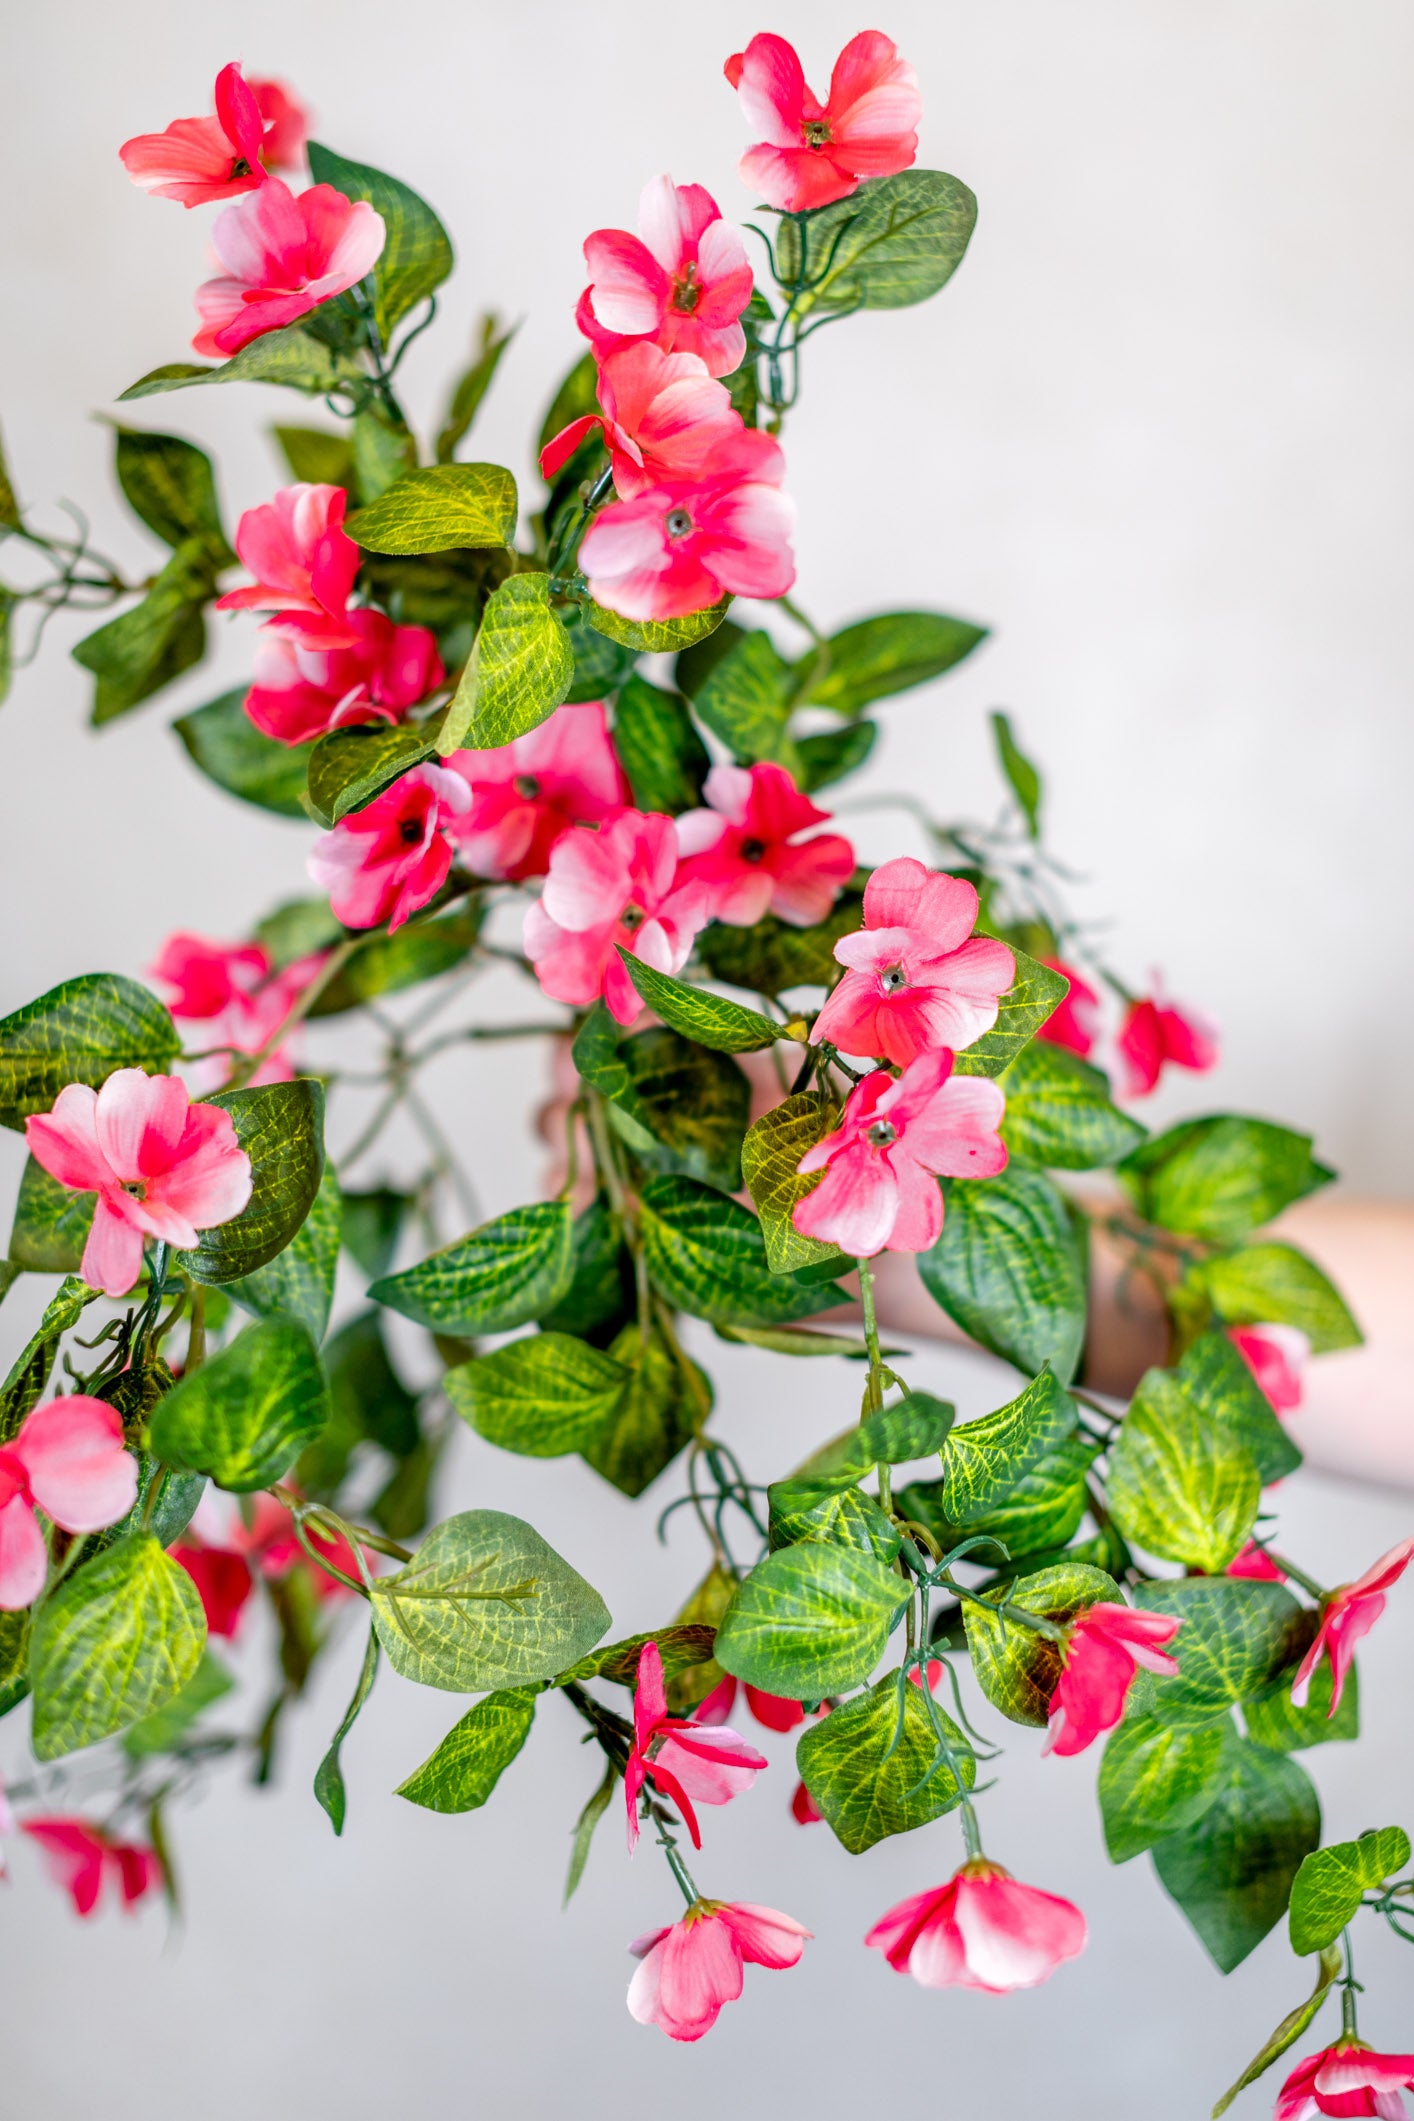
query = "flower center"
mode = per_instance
[
  {"x": 677, "y": 522},
  {"x": 892, "y": 978},
  {"x": 137, "y": 1187},
  {"x": 817, "y": 132},
  {"x": 239, "y": 168},
  {"x": 527, "y": 786},
  {"x": 688, "y": 291},
  {"x": 753, "y": 850},
  {"x": 632, "y": 917},
  {"x": 881, "y": 1134},
  {"x": 410, "y": 831}
]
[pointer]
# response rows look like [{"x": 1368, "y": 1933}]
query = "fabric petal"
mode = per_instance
[
  {"x": 24, "y": 1558},
  {"x": 79, "y": 1472}
]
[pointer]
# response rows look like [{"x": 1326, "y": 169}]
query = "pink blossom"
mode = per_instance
[
  {"x": 1155, "y": 1031},
  {"x": 980, "y": 1930},
  {"x": 775, "y": 1711},
  {"x": 1347, "y": 1616},
  {"x": 916, "y": 977},
  {"x": 161, "y": 1166},
  {"x": 682, "y": 282},
  {"x": 233, "y": 992},
  {"x": 752, "y": 851},
  {"x": 286, "y": 123},
  {"x": 392, "y": 857},
  {"x": 82, "y": 1859},
  {"x": 283, "y": 256},
  {"x": 669, "y": 1752},
  {"x": 605, "y": 890},
  {"x": 663, "y": 418},
  {"x": 812, "y": 153},
  {"x": 197, "y": 159},
  {"x": 1075, "y": 1022},
  {"x": 803, "y": 1808},
  {"x": 1105, "y": 1645},
  {"x": 681, "y": 547},
  {"x": 223, "y": 1582},
  {"x": 1276, "y": 1356},
  {"x": 302, "y": 692},
  {"x": 304, "y": 565},
  {"x": 690, "y": 1970},
  {"x": 526, "y": 794},
  {"x": 1347, "y": 2078},
  {"x": 1255, "y": 1564},
  {"x": 897, "y": 1136},
  {"x": 67, "y": 1459}
]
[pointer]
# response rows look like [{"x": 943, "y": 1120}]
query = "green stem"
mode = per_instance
[
  {"x": 1348, "y": 1989},
  {"x": 196, "y": 1332},
  {"x": 971, "y": 1831},
  {"x": 1307, "y": 1583},
  {"x": 874, "y": 1383},
  {"x": 333, "y": 965},
  {"x": 678, "y": 1868}
]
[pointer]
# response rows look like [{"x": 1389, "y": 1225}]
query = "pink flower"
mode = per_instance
[
  {"x": 392, "y": 857},
  {"x": 914, "y": 981},
  {"x": 980, "y": 1930},
  {"x": 1348, "y": 2078},
  {"x": 679, "y": 547},
  {"x": 1275, "y": 1355},
  {"x": 302, "y": 692},
  {"x": 684, "y": 285},
  {"x": 606, "y": 889},
  {"x": 197, "y": 159},
  {"x": 663, "y": 418},
  {"x": 689, "y": 1971},
  {"x": 897, "y": 1136},
  {"x": 223, "y": 1583},
  {"x": 668, "y": 1753},
  {"x": 1346, "y": 1618},
  {"x": 68, "y": 1460},
  {"x": 1075, "y": 1022},
  {"x": 803, "y": 1808},
  {"x": 1104, "y": 1647},
  {"x": 775, "y": 1711},
  {"x": 161, "y": 1166},
  {"x": 751, "y": 851},
  {"x": 286, "y": 124},
  {"x": 283, "y": 256},
  {"x": 1153, "y": 1032},
  {"x": 812, "y": 153},
  {"x": 304, "y": 565},
  {"x": 81, "y": 1858},
  {"x": 232, "y": 991},
  {"x": 526, "y": 794},
  {"x": 1256, "y": 1564}
]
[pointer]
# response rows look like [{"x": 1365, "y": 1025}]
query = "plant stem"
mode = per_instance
[
  {"x": 333, "y": 965},
  {"x": 1348, "y": 1988},
  {"x": 874, "y": 1384}
]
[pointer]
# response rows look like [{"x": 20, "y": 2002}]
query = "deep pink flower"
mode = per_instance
[
  {"x": 803, "y": 1808},
  {"x": 682, "y": 282},
  {"x": 1105, "y": 1645},
  {"x": 526, "y": 794},
  {"x": 812, "y": 153},
  {"x": 197, "y": 159},
  {"x": 776, "y": 1711},
  {"x": 302, "y": 692},
  {"x": 386, "y": 861},
  {"x": 161, "y": 1167},
  {"x": 672, "y": 1754},
  {"x": 82, "y": 1859},
  {"x": 1276, "y": 1356},
  {"x": 303, "y": 562},
  {"x": 896, "y": 1137},
  {"x": 1075, "y": 1022},
  {"x": 283, "y": 256},
  {"x": 916, "y": 977},
  {"x": 752, "y": 851},
  {"x": 67, "y": 1459},
  {"x": 1346, "y": 1618},
  {"x": 1256, "y": 1564},
  {"x": 980, "y": 1930},
  {"x": 223, "y": 1582},
  {"x": 681, "y": 546},
  {"x": 663, "y": 418},
  {"x": 1153, "y": 1032},
  {"x": 1347, "y": 2078},
  {"x": 605, "y": 889},
  {"x": 286, "y": 123},
  {"x": 232, "y": 991},
  {"x": 689, "y": 1971}
]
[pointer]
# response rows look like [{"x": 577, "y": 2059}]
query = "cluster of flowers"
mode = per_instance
[{"x": 1153, "y": 1033}]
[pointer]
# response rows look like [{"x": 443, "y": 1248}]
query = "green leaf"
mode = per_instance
[
  {"x": 822, "y": 1511},
  {"x": 299, "y": 928},
  {"x": 683, "y": 1648},
  {"x": 149, "y": 645},
  {"x": 1038, "y": 1514},
  {"x": 1021, "y": 776},
  {"x": 601, "y": 1281},
  {"x": 600, "y": 665},
  {"x": 773, "y": 1147},
  {"x": 708, "y": 1018},
  {"x": 1017, "y": 1669},
  {"x": 80, "y": 1032},
  {"x": 1220, "y": 1177},
  {"x": 467, "y": 1765},
  {"x": 1274, "y": 1720},
  {"x": 877, "y": 657},
  {"x": 499, "y": 1276},
  {"x": 316, "y": 456},
  {"x": 685, "y": 1108},
  {"x": 875, "y": 1768},
  {"x": 665, "y": 759},
  {"x": 745, "y": 698},
  {"x": 1155, "y": 1779},
  {"x": 281, "y": 1128},
  {"x": 299, "y": 1282},
  {"x": 810, "y": 1620},
  {"x": 657, "y": 636},
  {"x": 1218, "y": 1382},
  {"x": 774, "y": 957},
  {"x": 373, "y": 1223},
  {"x": 290, "y": 356},
  {"x": 370, "y": 1399},
  {"x": 483, "y": 1604},
  {"x": 10, "y": 516},
  {"x": 472, "y": 386},
  {"x": 1031, "y": 998},
  {"x": 519, "y": 671},
  {"x": 1237, "y": 1636},
  {"x": 892, "y": 243},
  {"x": 441, "y": 508},
  {"x": 662, "y": 1406},
  {"x": 14, "y": 1660},
  {"x": 1177, "y": 1486},
  {"x": 915, "y": 1427},
  {"x": 1231, "y": 1872},
  {"x": 1059, "y": 1112},
  {"x": 829, "y": 756},
  {"x": 169, "y": 484},
  {"x": 417, "y": 254},
  {"x": 29, "y": 1373},
  {"x": 383, "y": 452},
  {"x": 112, "y": 1643},
  {"x": 1332, "y": 1882},
  {"x": 385, "y": 964},
  {"x": 707, "y": 1256},
  {"x": 1292, "y": 2026},
  {"x": 349, "y": 767},
  {"x": 329, "y": 1789},
  {"x": 225, "y": 744},
  {"x": 542, "y": 1396},
  {"x": 167, "y": 1728},
  {"x": 1009, "y": 1268},
  {"x": 245, "y": 1416},
  {"x": 1273, "y": 1284},
  {"x": 51, "y": 1223},
  {"x": 588, "y": 1819},
  {"x": 983, "y": 1460}
]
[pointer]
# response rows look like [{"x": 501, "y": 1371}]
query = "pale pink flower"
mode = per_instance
[
  {"x": 1276, "y": 1356},
  {"x": 303, "y": 562},
  {"x": 672, "y": 1754},
  {"x": 233, "y": 992},
  {"x": 286, "y": 123},
  {"x": 197, "y": 159},
  {"x": 526, "y": 794},
  {"x": 392, "y": 857},
  {"x": 302, "y": 692},
  {"x": 1346, "y": 2078},
  {"x": 663, "y": 418},
  {"x": 1347, "y": 1616},
  {"x": 606, "y": 889},
  {"x": 916, "y": 977},
  {"x": 811, "y": 152},
  {"x": 1255, "y": 1564},
  {"x": 1075, "y": 1022},
  {"x": 690, "y": 1970},
  {"x": 682, "y": 282},
  {"x": 896, "y": 1138},
  {"x": 161, "y": 1166},
  {"x": 283, "y": 256},
  {"x": 1105, "y": 1645},
  {"x": 1155, "y": 1032},
  {"x": 83, "y": 1859},
  {"x": 752, "y": 850},
  {"x": 680, "y": 547},
  {"x": 980, "y": 1930},
  {"x": 67, "y": 1459}
]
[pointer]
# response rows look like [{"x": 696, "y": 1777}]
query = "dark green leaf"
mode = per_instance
[
  {"x": 915, "y": 1427},
  {"x": 10, "y": 517},
  {"x": 824, "y": 759},
  {"x": 810, "y": 1620},
  {"x": 438, "y": 509},
  {"x": 745, "y": 699},
  {"x": 665, "y": 759},
  {"x": 299, "y": 1282},
  {"x": 14, "y": 1660},
  {"x": 281, "y": 1129},
  {"x": 601, "y": 1282},
  {"x": 29, "y": 1373},
  {"x": 1178, "y": 1486},
  {"x": 167, "y": 1727},
  {"x": 657, "y": 636},
  {"x": 1292, "y": 2026},
  {"x": 385, "y": 964},
  {"x": 1237, "y": 1636},
  {"x": 1032, "y": 997},
  {"x": 499, "y": 1276},
  {"x": 707, "y": 1018},
  {"x": 80, "y": 1032},
  {"x": 472, "y": 386},
  {"x": 1017, "y": 1669},
  {"x": 519, "y": 671},
  {"x": 600, "y": 667},
  {"x": 877, "y": 657},
  {"x": 542, "y": 1396},
  {"x": 1155, "y": 1779},
  {"x": 290, "y": 356},
  {"x": 769, "y": 1155},
  {"x": 467, "y": 1765},
  {"x": 892, "y": 243},
  {"x": 588, "y": 1819},
  {"x": 1022, "y": 777},
  {"x": 875, "y": 1767},
  {"x": 1231, "y": 1872},
  {"x": 300, "y": 928},
  {"x": 1220, "y": 1177},
  {"x": 373, "y": 1222},
  {"x": 1274, "y": 1720},
  {"x": 316, "y": 456},
  {"x": 244, "y": 1416},
  {"x": 663, "y": 1404},
  {"x": 773, "y": 957},
  {"x": 113, "y": 1642},
  {"x": 1332, "y": 1882},
  {"x": 169, "y": 484},
  {"x": 1223, "y": 1389},
  {"x": 574, "y": 398},
  {"x": 706, "y": 1254},
  {"x": 691, "y": 1104},
  {"x": 145, "y": 648},
  {"x": 1010, "y": 1270},
  {"x": 1274, "y": 1284},
  {"x": 329, "y": 1789},
  {"x": 1059, "y": 1112},
  {"x": 823, "y": 1511},
  {"x": 51, "y": 1223},
  {"x": 416, "y": 256},
  {"x": 349, "y": 767},
  {"x": 225, "y": 744},
  {"x": 682, "y": 1648},
  {"x": 370, "y": 1399}
]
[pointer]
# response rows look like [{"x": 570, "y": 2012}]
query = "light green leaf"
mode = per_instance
[
  {"x": 51, "y": 1223},
  {"x": 467, "y": 1765},
  {"x": 657, "y": 636},
  {"x": 29, "y": 1372},
  {"x": 349, "y": 767},
  {"x": 299, "y": 1282},
  {"x": 823, "y": 1511},
  {"x": 1332, "y": 1882},
  {"x": 80, "y": 1032},
  {"x": 1274, "y": 1284},
  {"x": 1155, "y": 1779},
  {"x": 706, "y": 1254},
  {"x": 10, "y": 516},
  {"x": 983, "y": 1460},
  {"x": 245, "y": 1416},
  {"x": 166, "y": 1728},
  {"x": 281, "y": 1128},
  {"x": 542, "y": 1396},
  {"x": 877, "y": 657},
  {"x": 745, "y": 699},
  {"x": 384, "y": 451},
  {"x": 440, "y": 508},
  {"x": 1031, "y": 998},
  {"x": 710, "y": 1019},
  {"x": 1017, "y": 1669},
  {"x": 290, "y": 356},
  {"x": 769, "y": 1155},
  {"x": 115, "y": 1641},
  {"x": 1220, "y": 1177},
  {"x": 501, "y": 1275},
  {"x": 519, "y": 671},
  {"x": 1177, "y": 1486},
  {"x": 892, "y": 243},
  {"x": 1274, "y": 1720},
  {"x": 664, "y": 1403},
  {"x": 665, "y": 759},
  {"x": 472, "y": 386},
  {"x": 1009, "y": 1268},
  {"x": 1039, "y": 1513},
  {"x": 1237, "y": 1636},
  {"x": 914, "y": 1427},
  {"x": 1231, "y": 1872},
  {"x": 1059, "y": 1111},
  {"x": 329, "y": 1787},
  {"x": 875, "y": 1768},
  {"x": 14, "y": 1660},
  {"x": 417, "y": 254},
  {"x": 1292, "y": 2026},
  {"x": 316, "y": 455},
  {"x": 224, "y": 743},
  {"x": 810, "y": 1620}
]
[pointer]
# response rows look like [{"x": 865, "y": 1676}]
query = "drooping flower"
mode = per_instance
[
  {"x": 673, "y": 1753},
  {"x": 682, "y": 282},
  {"x": 1346, "y": 2078},
  {"x": 1256, "y": 1564},
  {"x": 233, "y": 991},
  {"x": 605, "y": 889},
  {"x": 197, "y": 159},
  {"x": 681, "y": 546},
  {"x": 1104, "y": 1647},
  {"x": 916, "y": 977},
  {"x": 1075, "y": 1022},
  {"x": 304, "y": 565},
  {"x": 896, "y": 1137},
  {"x": 1346, "y": 1618},
  {"x": 160, "y": 1165},
  {"x": 775, "y": 1711},
  {"x": 1276, "y": 1356},
  {"x": 389, "y": 859},
  {"x": 803, "y": 1808},
  {"x": 751, "y": 849},
  {"x": 82, "y": 1859},
  {"x": 223, "y": 1582},
  {"x": 286, "y": 123},
  {"x": 283, "y": 256},
  {"x": 663, "y": 418},
  {"x": 67, "y": 1459},
  {"x": 980, "y": 1930},
  {"x": 1154, "y": 1032},
  {"x": 811, "y": 152},
  {"x": 302, "y": 692},
  {"x": 526, "y": 794},
  {"x": 687, "y": 1972}
]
